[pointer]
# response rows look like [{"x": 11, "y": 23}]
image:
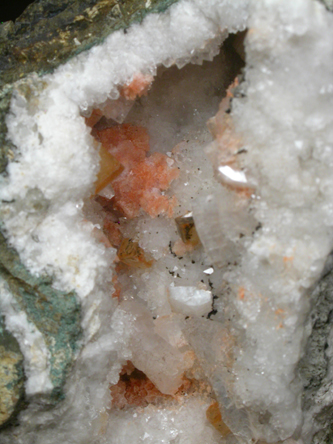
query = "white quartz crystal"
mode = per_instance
[
  {"x": 190, "y": 300},
  {"x": 163, "y": 364}
]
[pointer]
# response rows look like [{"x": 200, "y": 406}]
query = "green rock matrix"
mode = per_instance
[
  {"x": 11, "y": 375},
  {"x": 50, "y": 32},
  {"x": 55, "y": 314}
]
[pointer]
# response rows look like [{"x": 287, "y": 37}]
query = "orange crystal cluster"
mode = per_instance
[{"x": 144, "y": 179}]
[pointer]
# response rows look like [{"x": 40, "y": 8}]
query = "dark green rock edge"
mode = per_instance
[
  {"x": 56, "y": 314},
  {"x": 5, "y": 146},
  {"x": 43, "y": 37},
  {"x": 46, "y": 35},
  {"x": 11, "y": 376},
  {"x": 50, "y": 32}
]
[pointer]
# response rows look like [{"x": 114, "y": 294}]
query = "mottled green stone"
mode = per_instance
[
  {"x": 11, "y": 375},
  {"x": 54, "y": 313},
  {"x": 50, "y": 32},
  {"x": 5, "y": 145}
]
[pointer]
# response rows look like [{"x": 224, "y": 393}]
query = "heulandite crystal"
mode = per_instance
[
  {"x": 109, "y": 170},
  {"x": 187, "y": 230}
]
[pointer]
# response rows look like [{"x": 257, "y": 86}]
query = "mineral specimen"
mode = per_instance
[
  {"x": 166, "y": 217},
  {"x": 190, "y": 301},
  {"x": 110, "y": 168},
  {"x": 187, "y": 230},
  {"x": 11, "y": 375},
  {"x": 144, "y": 178},
  {"x": 131, "y": 254},
  {"x": 215, "y": 418}
]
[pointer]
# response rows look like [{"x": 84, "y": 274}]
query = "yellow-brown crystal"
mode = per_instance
[
  {"x": 187, "y": 230},
  {"x": 131, "y": 254},
  {"x": 110, "y": 168},
  {"x": 214, "y": 416}
]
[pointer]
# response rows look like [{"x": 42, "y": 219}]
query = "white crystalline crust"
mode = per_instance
[
  {"x": 184, "y": 422},
  {"x": 286, "y": 120},
  {"x": 250, "y": 351},
  {"x": 283, "y": 117},
  {"x": 33, "y": 347}
]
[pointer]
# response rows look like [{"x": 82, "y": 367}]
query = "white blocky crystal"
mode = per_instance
[
  {"x": 163, "y": 364},
  {"x": 190, "y": 301}
]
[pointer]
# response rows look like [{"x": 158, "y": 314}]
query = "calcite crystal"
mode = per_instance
[{"x": 166, "y": 222}]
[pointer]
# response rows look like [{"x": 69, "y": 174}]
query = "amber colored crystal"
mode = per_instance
[
  {"x": 187, "y": 230},
  {"x": 131, "y": 254},
  {"x": 96, "y": 115},
  {"x": 214, "y": 416},
  {"x": 110, "y": 168}
]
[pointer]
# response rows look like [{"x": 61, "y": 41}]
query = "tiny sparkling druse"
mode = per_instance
[{"x": 176, "y": 182}]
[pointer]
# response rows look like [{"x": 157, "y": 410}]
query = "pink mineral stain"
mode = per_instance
[
  {"x": 144, "y": 179},
  {"x": 135, "y": 389},
  {"x": 94, "y": 118},
  {"x": 112, "y": 231},
  {"x": 137, "y": 87}
]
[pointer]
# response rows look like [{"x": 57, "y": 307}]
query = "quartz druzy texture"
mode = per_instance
[
  {"x": 46, "y": 35},
  {"x": 166, "y": 218}
]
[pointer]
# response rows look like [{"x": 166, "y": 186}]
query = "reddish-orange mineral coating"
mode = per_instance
[
  {"x": 137, "y": 87},
  {"x": 94, "y": 118},
  {"x": 111, "y": 230},
  {"x": 135, "y": 389},
  {"x": 117, "y": 287},
  {"x": 144, "y": 178}
]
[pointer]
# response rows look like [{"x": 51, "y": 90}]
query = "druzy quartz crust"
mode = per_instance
[{"x": 166, "y": 219}]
